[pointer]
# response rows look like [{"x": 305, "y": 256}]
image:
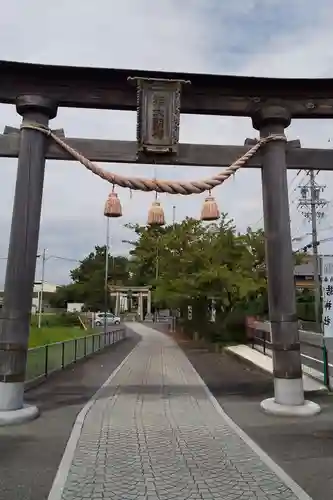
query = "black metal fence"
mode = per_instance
[
  {"x": 316, "y": 353},
  {"x": 44, "y": 360},
  {"x": 262, "y": 339}
]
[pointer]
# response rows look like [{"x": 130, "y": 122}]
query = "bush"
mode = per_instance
[
  {"x": 233, "y": 327},
  {"x": 227, "y": 330},
  {"x": 306, "y": 311}
]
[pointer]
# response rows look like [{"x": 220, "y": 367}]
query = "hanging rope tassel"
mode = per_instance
[
  {"x": 210, "y": 211},
  {"x": 156, "y": 214},
  {"x": 112, "y": 206}
]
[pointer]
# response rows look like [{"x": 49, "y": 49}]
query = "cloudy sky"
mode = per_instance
[{"x": 277, "y": 38}]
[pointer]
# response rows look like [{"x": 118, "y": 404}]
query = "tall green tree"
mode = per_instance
[
  {"x": 187, "y": 262},
  {"x": 193, "y": 261},
  {"x": 88, "y": 280}
]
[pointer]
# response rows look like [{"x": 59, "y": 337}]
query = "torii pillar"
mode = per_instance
[
  {"x": 21, "y": 263},
  {"x": 287, "y": 367}
]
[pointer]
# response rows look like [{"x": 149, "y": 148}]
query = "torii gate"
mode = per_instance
[
  {"x": 140, "y": 292},
  {"x": 38, "y": 91}
]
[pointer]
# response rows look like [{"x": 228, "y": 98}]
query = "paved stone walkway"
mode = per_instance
[{"x": 155, "y": 433}]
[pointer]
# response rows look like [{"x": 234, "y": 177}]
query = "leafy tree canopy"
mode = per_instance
[
  {"x": 193, "y": 260},
  {"x": 88, "y": 280},
  {"x": 184, "y": 262}
]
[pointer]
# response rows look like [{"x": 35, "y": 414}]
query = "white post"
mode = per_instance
[
  {"x": 149, "y": 302},
  {"x": 40, "y": 302},
  {"x": 117, "y": 304},
  {"x": 141, "y": 307},
  {"x": 36, "y": 311},
  {"x": 106, "y": 274}
]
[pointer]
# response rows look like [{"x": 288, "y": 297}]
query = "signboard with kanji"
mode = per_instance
[
  {"x": 327, "y": 294},
  {"x": 158, "y": 114}
]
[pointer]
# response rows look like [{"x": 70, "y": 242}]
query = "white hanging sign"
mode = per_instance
[{"x": 327, "y": 294}]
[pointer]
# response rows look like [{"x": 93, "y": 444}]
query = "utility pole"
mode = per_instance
[
  {"x": 312, "y": 206},
  {"x": 157, "y": 263},
  {"x": 40, "y": 302},
  {"x": 315, "y": 196},
  {"x": 106, "y": 273}
]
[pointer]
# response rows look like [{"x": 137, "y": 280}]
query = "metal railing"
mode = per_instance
[
  {"x": 49, "y": 358},
  {"x": 315, "y": 350}
]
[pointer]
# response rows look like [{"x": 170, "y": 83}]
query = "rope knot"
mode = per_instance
[
  {"x": 273, "y": 137},
  {"x": 37, "y": 126}
]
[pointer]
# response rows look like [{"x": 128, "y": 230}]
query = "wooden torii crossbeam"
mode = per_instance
[
  {"x": 104, "y": 88},
  {"x": 190, "y": 155}
]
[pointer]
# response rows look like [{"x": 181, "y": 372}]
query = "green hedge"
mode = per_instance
[
  {"x": 306, "y": 311},
  {"x": 230, "y": 329},
  {"x": 52, "y": 320}
]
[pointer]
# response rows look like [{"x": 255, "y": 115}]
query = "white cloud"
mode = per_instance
[{"x": 262, "y": 38}]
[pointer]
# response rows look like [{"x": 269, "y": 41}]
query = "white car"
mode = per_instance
[{"x": 111, "y": 319}]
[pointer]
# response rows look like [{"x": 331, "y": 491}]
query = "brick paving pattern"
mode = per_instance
[{"x": 155, "y": 434}]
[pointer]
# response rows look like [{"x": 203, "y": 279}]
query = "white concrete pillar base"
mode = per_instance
[
  {"x": 16, "y": 417},
  {"x": 289, "y": 391},
  {"x": 12, "y": 409},
  {"x": 289, "y": 400},
  {"x": 307, "y": 409},
  {"x": 11, "y": 395}
]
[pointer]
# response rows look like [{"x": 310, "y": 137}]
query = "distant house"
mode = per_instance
[
  {"x": 48, "y": 288},
  {"x": 304, "y": 275},
  {"x": 74, "y": 307}
]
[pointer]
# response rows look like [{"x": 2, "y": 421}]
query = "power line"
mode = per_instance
[
  {"x": 289, "y": 186},
  {"x": 310, "y": 202},
  {"x": 296, "y": 199},
  {"x": 52, "y": 257},
  {"x": 293, "y": 179},
  {"x": 304, "y": 235},
  {"x": 313, "y": 244},
  {"x": 295, "y": 190},
  {"x": 62, "y": 258}
]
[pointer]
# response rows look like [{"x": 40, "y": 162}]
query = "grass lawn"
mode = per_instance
[
  {"x": 50, "y": 335},
  {"x": 52, "y": 357},
  {"x": 48, "y": 351}
]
